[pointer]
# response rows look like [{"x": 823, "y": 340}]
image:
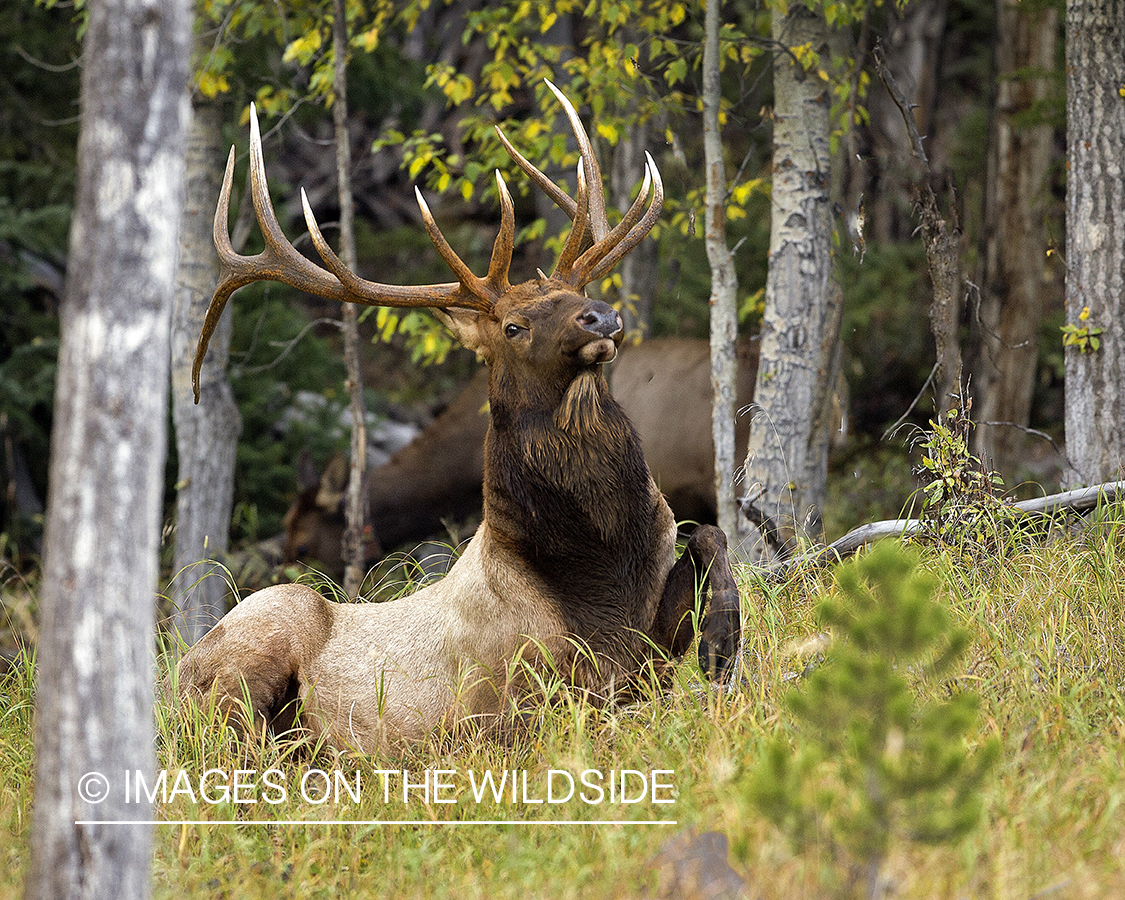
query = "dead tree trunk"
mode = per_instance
[
  {"x": 942, "y": 241},
  {"x": 914, "y": 34},
  {"x": 207, "y": 432},
  {"x": 94, "y": 695}
]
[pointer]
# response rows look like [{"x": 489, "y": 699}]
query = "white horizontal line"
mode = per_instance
[{"x": 290, "y": 822}]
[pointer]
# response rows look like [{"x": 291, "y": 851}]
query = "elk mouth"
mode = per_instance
[{"x": 601, "y": 350}]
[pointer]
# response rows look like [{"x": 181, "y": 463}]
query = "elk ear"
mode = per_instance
[
  {"x": 333, "y": 483},
  {"x": 467, "y": 328}
]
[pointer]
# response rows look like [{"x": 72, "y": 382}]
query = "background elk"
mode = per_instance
[
  {"x": 573, "y": 567},
  {"x": 664, "y": 386}
]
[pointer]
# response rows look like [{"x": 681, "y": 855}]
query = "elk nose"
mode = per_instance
[{"x": 601, "y": 319}]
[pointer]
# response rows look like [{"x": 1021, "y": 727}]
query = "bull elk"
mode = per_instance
[
  {"x": 573, "y": 567},
  {"x": 664, "y": 386}
]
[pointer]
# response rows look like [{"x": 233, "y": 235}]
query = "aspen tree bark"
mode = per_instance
[
  {"x": 787, "y": 456},
  {"x": 1016, "y": 286},
  {"x": 1095, "y": 238},
  {"x": 724, "y": 283},
  {"x": 94, "y": 695},
  {"x": 207, "y": 432},
  {"x": 356, "y": 502}
]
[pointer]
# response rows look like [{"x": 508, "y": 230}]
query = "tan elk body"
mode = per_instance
[{"x": 573, "y": 568}]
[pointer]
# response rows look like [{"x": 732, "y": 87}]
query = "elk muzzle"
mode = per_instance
[{"x": 601, "y": 319}]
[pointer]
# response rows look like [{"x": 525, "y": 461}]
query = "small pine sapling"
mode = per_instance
[{"x": 872, "y": 760}]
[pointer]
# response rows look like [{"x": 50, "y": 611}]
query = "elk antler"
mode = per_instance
[
  {"x": 609, "y": 246},
  {"x": 280, "y": 260}
]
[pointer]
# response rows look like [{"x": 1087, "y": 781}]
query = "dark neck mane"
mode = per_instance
[{"x": 567, "y": 489}]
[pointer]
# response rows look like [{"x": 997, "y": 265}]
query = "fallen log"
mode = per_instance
[{"x": 1080, "y": 500}]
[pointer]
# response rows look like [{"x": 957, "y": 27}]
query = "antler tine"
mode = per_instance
[
  {"x": 600, "y": 259},
  {"x": 372, "y": 293},
  {"x": 485, "y": 293},
  {"x": 279, "y": 261},
  {"x": 227, "y": 284},
  {"x": 573, "y": 246},
  {"x": 560, "y": 197},
  {"x": 501, "y": 262},
  {"x": 599, "y": 223},
  {"x": 595, "y": 254}
]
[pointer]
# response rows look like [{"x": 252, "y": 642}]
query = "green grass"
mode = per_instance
[{"x": 1047, "y": 660}]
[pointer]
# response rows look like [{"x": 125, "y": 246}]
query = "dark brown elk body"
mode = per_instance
[
  {"x": 573, "y": 567},
  {"x": 664, "y": 386}
]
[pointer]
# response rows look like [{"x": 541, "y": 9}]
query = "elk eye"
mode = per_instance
[{"x": 512, "y": 329}]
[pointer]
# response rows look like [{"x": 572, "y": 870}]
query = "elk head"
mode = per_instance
[{"x": 536, "y": 336}]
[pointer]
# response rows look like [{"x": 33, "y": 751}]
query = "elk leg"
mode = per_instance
[
  {"x": 704, "y": 563},
  {"x": 256, "y": 652}
]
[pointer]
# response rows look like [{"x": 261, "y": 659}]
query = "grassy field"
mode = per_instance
[{"x": 1046, "y": 657}]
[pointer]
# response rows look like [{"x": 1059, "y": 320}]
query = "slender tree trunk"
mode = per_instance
[
  {"x": 1016, "y": 287},
  {"x": 787, "y": 456},
  {"x": 207, "y": 432},
  {"x": 724, "y": 283},
  {"x": 94, "y": 693},
  {"x": 942, "y": 240},
  {"x": 1095, "y": 237},
  {"x": 913, "y": 44},
  {"x": 355, "y": 508}
]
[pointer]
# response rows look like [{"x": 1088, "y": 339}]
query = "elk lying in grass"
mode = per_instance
[
  {"x": 573, "y": 567},
  {"x": 664, "y": 386}
]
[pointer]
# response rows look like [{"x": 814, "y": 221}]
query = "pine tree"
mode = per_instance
[{"x": 874, "y": 762}]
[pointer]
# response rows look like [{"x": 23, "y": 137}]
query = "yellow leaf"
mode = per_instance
[
  {"x": 548, "y": 21},
  {"x": 302, "y": 48},
  {"x": 212, "y": 84},
  {"x": 608, "y": 131}
]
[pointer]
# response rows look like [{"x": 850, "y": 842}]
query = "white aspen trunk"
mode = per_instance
[
  {"x": 787, "y": 455},
  {"x": 724, "y": 284},
  {"x": 1095, "y": 237},
  {"x": 207, "y": 432},
  {"x": 355, "y": 507},
  {"x": 94, "y": 695}
]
